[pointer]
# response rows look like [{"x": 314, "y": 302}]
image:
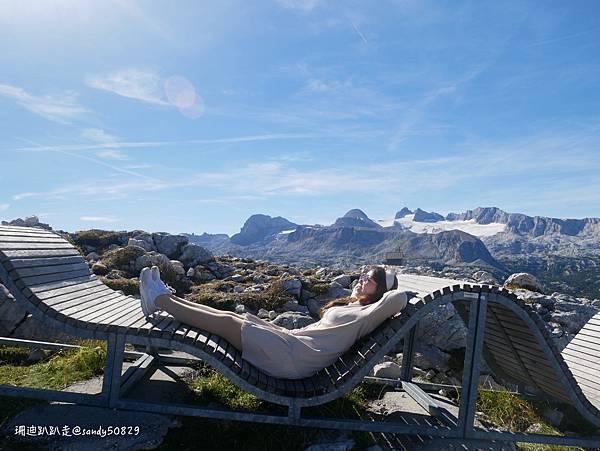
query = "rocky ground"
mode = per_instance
[
  {"x": 287, "y": 295},
  {"x": 291, "y": 296}
]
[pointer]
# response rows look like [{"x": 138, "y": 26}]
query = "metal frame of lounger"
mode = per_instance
[{"x": 49, "y": 278}]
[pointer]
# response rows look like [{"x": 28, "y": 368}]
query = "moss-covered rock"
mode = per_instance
[
  {"x": 127, "y": 286},
  {"x": 123, "y": 258},
  {"x": 99, "y": 239},
  {"x": 208, "y": 294}
]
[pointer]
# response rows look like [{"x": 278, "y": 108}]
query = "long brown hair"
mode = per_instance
[{"x": 364, "y": 299}]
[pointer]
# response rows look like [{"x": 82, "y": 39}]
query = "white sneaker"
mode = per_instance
[
  {"x": 155, "y": 273},
  {"x": 150, "y": 290}
]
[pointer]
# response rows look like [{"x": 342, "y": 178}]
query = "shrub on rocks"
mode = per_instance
[
  {"x": 123, "y": 258},
  {"x": 99, "y": 269},
  {"x": 208, "y": 294},
  {"x": 100, "y": 239},
  {"x": 127, "y": 286}
]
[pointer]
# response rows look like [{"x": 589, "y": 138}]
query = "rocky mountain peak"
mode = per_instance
[
  {"x": 257, "y": 227},
  {"x": 424, "y": 216},
  {"x": 402, "y": 213},
  {"x": 356, "y": 218}
]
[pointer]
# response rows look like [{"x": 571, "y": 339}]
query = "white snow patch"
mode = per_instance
[
  {"x": 285, "y": 232},
  {"x": 469, "y": 226}
]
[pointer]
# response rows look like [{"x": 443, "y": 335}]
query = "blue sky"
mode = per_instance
[{"x": 189, "y": 116}]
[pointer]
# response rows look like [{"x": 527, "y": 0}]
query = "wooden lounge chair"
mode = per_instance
[
  {"x": 49, "y": 278},
  {"x": 517, "y": 347}
]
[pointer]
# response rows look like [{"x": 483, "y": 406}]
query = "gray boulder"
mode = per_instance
[
  {"x": 314, "y": 306},
  {"x": 147, "y": 246},
  {"x": 151, "y": 259},
  {"x": 485, "y": 277},
  {"x": 178, "y": 267},
  {"x": 292, "y": 286},
  {"x": 170, "y": 245},
  {"x": 388, "y": 370},
  {"x": 293, "y": 306},
  {"x": 335, "y": 291},
  {"x": 193, "y": 254},
  {"x": 572, "y": 316},
  {"x": 344, "y": 280},
  {"x": 524, "y": 280},
  {"x": 428, "y": 357},
  {"x": 442, "y": 328}
]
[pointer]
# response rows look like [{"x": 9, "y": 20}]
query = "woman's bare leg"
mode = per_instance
[{"x": 225, "y": 324}]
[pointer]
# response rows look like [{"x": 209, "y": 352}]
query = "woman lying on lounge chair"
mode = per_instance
[{"x": 280, "y": 352}]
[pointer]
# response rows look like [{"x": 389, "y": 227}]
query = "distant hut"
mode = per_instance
[{"x": 394, "y": 258}]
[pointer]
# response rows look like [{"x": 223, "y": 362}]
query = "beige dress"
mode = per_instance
[{"x": 298, "y": 353}]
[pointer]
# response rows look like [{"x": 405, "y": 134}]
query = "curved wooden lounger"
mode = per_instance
[{"x": 49, "y": 278}]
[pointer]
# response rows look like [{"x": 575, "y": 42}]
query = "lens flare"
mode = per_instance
[{"x": 180, "y": 92}]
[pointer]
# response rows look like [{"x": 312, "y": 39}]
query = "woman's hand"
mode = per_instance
[{"x": 411, "y": 294}]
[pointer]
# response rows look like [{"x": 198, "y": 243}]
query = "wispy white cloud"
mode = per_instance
[
  {"x": 61, "y": 108},
  {"x": 358, "y": 32},
  {"x": 93, "y": 188},
  {"x": 300, "y": 5},
  {"x": 112, "y": 155},
  {"x": 98, "y": 135},
  {"x": 142, "y": 144},
  {"x": 143, "y": 85},
  {"x": 99, "y": 219},
  {"x": 4, "y": 207}
]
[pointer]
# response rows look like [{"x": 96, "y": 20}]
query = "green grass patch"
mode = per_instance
[
  {"x": 59, "y": 369},
  {"x": 211, "y": 387},
  {"x": 56, "y": 371},
  {"x": 509, "y": 412}
]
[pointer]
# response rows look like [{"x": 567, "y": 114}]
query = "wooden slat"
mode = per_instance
[
  {"x": 133, "y": 322},
  {"x": 133, "y": 316},
  {"x": 33, "y": 262},
  {"x": 587, "y": 340},
  {"x": 16, "y": 235},
  {"x": 39, "y": 253},
  {"x": 78, "y": 305},
  {"x": 592, "y": 328},
  {"x": 589, "y": 335},
  {"x": 494, "y": 326},
  {"x": 89, "y": 309},
  {"x": 581, "y": 356},
  {"x": 590, "y": 380},
  {"x": 581, "y": 346},
  {"x": 51, "y": 286},
  {"x": 170, "y": 331},
  {"x": 125, "y": 308},
  {"x": 36, "y": 246},
  {"x": 69, "y": 299},
  {"x": 51, "y": 269},
  {"x": 156, "y": 330},
  {"x": 523, "y": 353},
  {"x": 574, "y": 362},
  {"x": 18, "y": 229},
  {"x": 35, "y": 281},
  {"x": 31, "y": 239},
  {"x": 42, "y": 296}
]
